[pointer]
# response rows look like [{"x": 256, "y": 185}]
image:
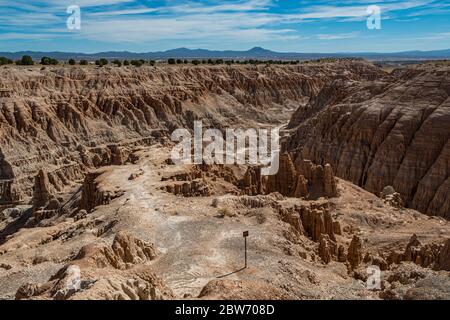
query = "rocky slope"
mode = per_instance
[
  {"x": 149, "y": 243},
  {"x": 95, "y": 208},
  {"x": 71, "y": 119},
  {"x": 389, "y": 132},
  {"x": 113, "y": 274}
]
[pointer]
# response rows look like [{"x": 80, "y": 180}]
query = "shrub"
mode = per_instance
[
  {"x": 25, "y": 61},
  {"x": 126, "y": 63},
  {"x": 46, "y": 61},
  {"x": 179, "y": 61},
  {"x": 4, "y": 61},
  {"x": 83, "y": 63},
  {"x": 102, "y": 62},
  {"x": 195, "y": 62},
  {"x": 72, "y": 62},
  {"x": 136, "y": 63},
  {"x": 171, "y": 61},
  {"x": 117, "y": 63},
  {"x": 152, "y": 62}
]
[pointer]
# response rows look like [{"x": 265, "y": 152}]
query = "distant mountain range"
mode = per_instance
[{"x": 255, "y": 53}]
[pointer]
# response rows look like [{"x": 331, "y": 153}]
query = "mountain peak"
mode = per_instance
[{"x": 258, "y": 50}]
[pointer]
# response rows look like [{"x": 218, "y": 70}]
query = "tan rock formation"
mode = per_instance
[
  {"x": 102, "y": 125},
  {"x": 443, "y": 262},
  {"x": 125, "y": 252},
  {"x": 45, "y": 205},
  {"x": 94, "y": 193},
  {"x": 285, "y": 180},
  {"x": 317, "y": 221},
  {"x": 424, "y": 255},
  {"x": 252, "y": 183},
  {"x": 196, "y": 188},
  {"x": 312, "y": 221},
  {"x": 107, "y": 273},
  {"x": 131, "y": 250},
  {"x": 306, "y": 181},
  {"x": 327, "y": 249},
  {"x": 321, "y": 179},
  {"x": 301, "y": 188},
  {"x": 395, "y": 129},
  {"x": 342, "y": 255},
  {"x": 329, "y": 182},
  {"x": 392, "y": 198},
  {"x": 42, "y": 192},
  {"x": 85, "y": 115},
  {"x": 284, "y": 260},
  {"x": 432, "y": 255},
  {"x": 355, "y": 253}
]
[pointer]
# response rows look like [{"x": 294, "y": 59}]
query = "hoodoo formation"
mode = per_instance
[
  {"x": 93, "y": 207},
  {"x": 392, "y": 131}
]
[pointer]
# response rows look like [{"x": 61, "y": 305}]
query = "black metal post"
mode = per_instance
[{"x": 245, "y": 252}]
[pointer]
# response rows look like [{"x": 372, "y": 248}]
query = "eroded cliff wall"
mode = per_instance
[{"x": 392, "y": 132}]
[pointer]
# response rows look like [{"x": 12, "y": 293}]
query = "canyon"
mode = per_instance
[{"x": 92, "y": 207}]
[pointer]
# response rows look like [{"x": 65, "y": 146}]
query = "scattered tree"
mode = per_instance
[
  {"x": 137, "y": 63},
  {"x": 4, "y": 61},
  {"x": 72, "y": 62},
  {"x": 102, "y": 62},
  {"x": 83, "y": 62},
  {"x": 25, "y": 61},
  {"x": 171, "y": 61}
]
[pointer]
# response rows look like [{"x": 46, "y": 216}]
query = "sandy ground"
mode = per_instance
[{"x": 197, "y": 246}]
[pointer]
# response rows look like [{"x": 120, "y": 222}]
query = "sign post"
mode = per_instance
[{"x": 246, "y": 234}]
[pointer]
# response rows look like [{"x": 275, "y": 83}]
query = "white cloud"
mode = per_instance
[
  {"x": 124, "y": 12},
  {"x": 191, "y": 21},
  {"x": 337, "y": 36},
  {"x": 435, "y": 36},
  {"x": 196, "y": 8}
]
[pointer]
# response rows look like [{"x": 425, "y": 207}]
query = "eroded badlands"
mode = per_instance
[{"x": 92, "y": 207}]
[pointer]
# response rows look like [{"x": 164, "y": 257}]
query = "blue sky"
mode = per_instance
[{"x": 280, "y": 25}]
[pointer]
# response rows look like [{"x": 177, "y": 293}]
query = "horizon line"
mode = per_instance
[{"x": 234, "y": 50}]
